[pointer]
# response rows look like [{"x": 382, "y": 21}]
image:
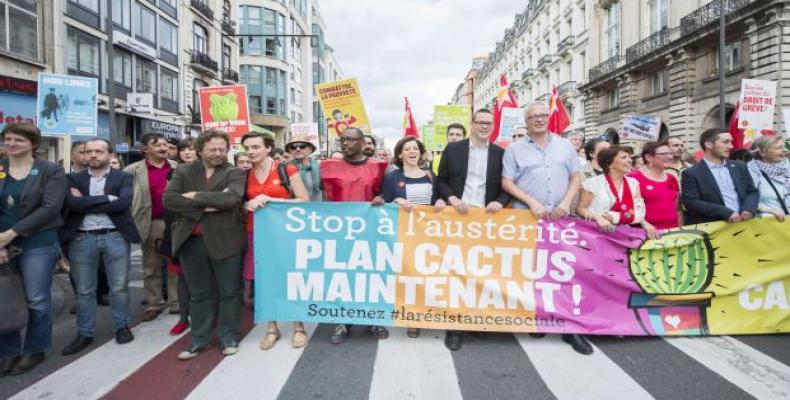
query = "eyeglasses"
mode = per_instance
[
  {"x": 518, "y": 136},
  {"x": 300, "y": 146},
  {"x": 348, "y": 139},
  {"x": 218, "y": 150},
  {"x": 483, "y": 124},
  {"x": 539, "y": 116}
]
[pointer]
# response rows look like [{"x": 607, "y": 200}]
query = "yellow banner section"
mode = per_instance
[{"x": 341, "y": 102}]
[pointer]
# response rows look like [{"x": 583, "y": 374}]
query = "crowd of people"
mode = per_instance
[{"x": 190, "y": 209}]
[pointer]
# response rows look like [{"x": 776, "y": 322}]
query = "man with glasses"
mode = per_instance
[
  {"x": 542, "y": 173},
  {"x": 470, "y": 176},
  {"x": 300, "y": 148},
  {"x": 355, "y": 177}
]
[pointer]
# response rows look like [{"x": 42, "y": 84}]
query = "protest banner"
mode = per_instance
[
  {"x": 641, "y": 127},
  {"x": 225, "y": 108},
  {"x": 510, "y": 120},
  {"x": 354, "y": 263},
  {"x": 757, "y": 105},
  {"x": 66, "y": 105},
  {"x": 428, "y": 138},
  {"x": 445, "y": 115},
  {"x": 306, "y": 130},
  {"x": 341, "y": 102}
]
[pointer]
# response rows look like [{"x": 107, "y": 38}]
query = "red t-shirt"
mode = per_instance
[
  {"x": 272, "y": 186},
  {"x": 157, "y": 182},
  {"x": 345, "y": 181},
  {"x": 661, "y": 200}
]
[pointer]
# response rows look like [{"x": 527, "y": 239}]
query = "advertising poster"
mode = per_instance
[
  {"x": 359, "y": 264},
  {"x": 641, "y": 127},
  {"x": 444, "y": 115},
  {"x": 225, "y": 108},
  {"x": 307, "y": 131},
  {"x": 66, "y": 105},
  {"x": 342, "y": 105}
]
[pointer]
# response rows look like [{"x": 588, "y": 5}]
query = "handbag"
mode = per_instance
[{"x": 13, "y": 304}]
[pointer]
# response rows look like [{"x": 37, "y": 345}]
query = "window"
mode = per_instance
[
  {"x": 145, "y": 78},
  {"x": 199, "y": 38},
  {"x": 225, "y": 56},
  {"x": 168, "y": 37},
  {"x": 92, "y": 5},
  {"x": 658, "y": 83},
  {"x": 226, "y": 10},
  {"x": 613, "y": 30},
  {"x": 732, "y": 57},
  {"x": 255, "y": 104},
  {"x": 659, "y": 15},
  {"x": 196, "y": 84},
  {"x": 293, "y": 96},
  {"x": 146, "y": 24},
  {"x": 122, "y": 68},
  {"x": 299, "y": 98},
  {"x": 169, "y": 84},
  {"x": 613, "y": 98},
  {"x": 274, "y": 23},
  {"x": 83, "y": 53},
  {"x": 121, "y": 10},
  {"x": 19, "y": 27},
  {"x": 583, "y": 13}
]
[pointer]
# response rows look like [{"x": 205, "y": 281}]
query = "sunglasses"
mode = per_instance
[{"x": 300, "y": 146}]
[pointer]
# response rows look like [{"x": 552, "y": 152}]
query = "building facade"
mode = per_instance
[
  {"x": 325, "y": 69},
  {"x": 665, "y": 63},
  {"x": 546, "y": 46},
  {"x": 465, "y": 91}
]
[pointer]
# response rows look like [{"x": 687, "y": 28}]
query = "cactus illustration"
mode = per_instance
[
  {"x": 224, "y": 108},
  {"x": 679, "y": 262}
]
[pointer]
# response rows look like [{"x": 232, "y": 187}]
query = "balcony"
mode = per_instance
[
  {"x": 707, "y": 14},
  {"x": 544, "y": 60},
  {"x": 230, "y": 75},
  {"x": 527, "y": 74},
  {"x": 649, "y": 44},
  {"x": 203, "y": 8},
  {"x": 229, "y": 26},
  {"x": 566, "y": 87},
  {"x": 566, "y": 43},
  {"x": 604, "y": 68},
  {"x": 203, "y": 62},
  {"x": 544, "y": 98}
]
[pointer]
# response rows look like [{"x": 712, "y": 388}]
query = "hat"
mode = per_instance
[{"x": 300, "y": 138}]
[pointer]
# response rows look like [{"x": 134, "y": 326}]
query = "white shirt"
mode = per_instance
[
  {"x": 475, "y": 186},
  {"x": 93, "y": 222},
  {"x": 603, "y": 199}
]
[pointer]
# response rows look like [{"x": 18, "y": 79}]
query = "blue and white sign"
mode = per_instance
[
  {"x": 641, "y": 127},
  {"x": 67, "y": 105}
]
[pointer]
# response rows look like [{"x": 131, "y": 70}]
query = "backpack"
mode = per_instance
[{"x": 285, "y": 180}]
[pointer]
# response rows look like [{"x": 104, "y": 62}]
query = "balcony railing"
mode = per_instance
[
  {"x": 202, "y": 60},
  {"x": 566, "y": 87},
  {"x": 204, "y": 9},
  {"x": 604, "y": 68},
  {"x": 544, "y": 60},
  {"x": 527, "y": 73},
  {"x": 650, "y": 44},
  {"x": 566, "y": 43},
  {"x": 229, "y": 26},
  {"x": 230, "y": 75},
  {"x": 708, "y": 14}
]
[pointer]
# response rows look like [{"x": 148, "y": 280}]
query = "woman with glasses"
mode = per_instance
[
  {"x": 770, "y": 172},
  {"x": 659, "y": 189}
]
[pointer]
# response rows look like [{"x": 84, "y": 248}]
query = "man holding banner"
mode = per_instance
[
  {"x": 470, "y": 176},
  {"x": 542, "y": 173},
  {"x": 355, "y": 177}
]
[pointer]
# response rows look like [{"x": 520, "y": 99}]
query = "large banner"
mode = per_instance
[
  {"x": 225, "y": 108},
  {"x": 342, "y": 103},
  {"x": 446, "y": 115},
  {"x": 358, "y": 264},
  {"x": 67, "y": 105}
]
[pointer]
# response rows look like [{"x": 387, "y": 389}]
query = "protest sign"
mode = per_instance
[
  {"x": 66, "y": 105},
  {"x": 428, "y": 138},
  {"x": 641, "y": 127},
  {"x": 354, "y": 263},
  {"x": 444, "y": 116},
  {"x": 225, "y": 108},
  {"x": 510, "y": 120},
  {"x": 307, "y": 131},
  {"x": 342, "y": 105},
  {"x": 757, "y": 104}
]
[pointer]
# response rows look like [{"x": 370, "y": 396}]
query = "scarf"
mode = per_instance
[
  {"x": 623, "y": 206},
  {"x": 778, "y": 172}
]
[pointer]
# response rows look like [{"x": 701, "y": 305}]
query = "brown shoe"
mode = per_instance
[{"x": 151, "y": 315}]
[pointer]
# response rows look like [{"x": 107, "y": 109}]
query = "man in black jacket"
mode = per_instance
[
  {"x": 717, "y": 189},
  {"x": 100, "y": 226},
  {"x": 470, "y": 175}
]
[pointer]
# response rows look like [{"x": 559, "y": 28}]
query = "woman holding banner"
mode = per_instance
[
  {"x": 659, "y": 189},
  {"x": 613, "y": 198},
  {"x": 409, "y": 185},
  {"x": 770, "y": 172},
  {"x": 267, "y": 181}
]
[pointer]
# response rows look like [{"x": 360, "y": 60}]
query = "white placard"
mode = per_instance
[
  {"x": 641, "y": 127},
  {"x": 757, "y": 102},
  {"x": 307, "y": 130}
]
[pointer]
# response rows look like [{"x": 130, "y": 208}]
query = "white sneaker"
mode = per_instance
[{"x": 230, "y": 350}]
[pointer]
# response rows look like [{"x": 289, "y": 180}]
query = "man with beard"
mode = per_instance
[
  {"x": 678, "y": 148},
  {"x": 103, "y": 229},
  {"x": 355, "y": 177},
  {"x": 150, "y": 179},
  {"x": 369, "y": 149},
  {"x": 206, "y": 196}
]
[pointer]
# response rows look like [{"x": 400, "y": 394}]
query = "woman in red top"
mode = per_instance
[
  {"x": 264, "y": 185},
  {"x": 659, "y": 189}
]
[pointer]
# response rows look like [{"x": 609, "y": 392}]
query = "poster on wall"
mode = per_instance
[
  {"x": 225, "y": 108},
  {"x": 66, "y": 105}
]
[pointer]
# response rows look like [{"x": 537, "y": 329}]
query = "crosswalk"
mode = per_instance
[{"x": 492, "y": 367}]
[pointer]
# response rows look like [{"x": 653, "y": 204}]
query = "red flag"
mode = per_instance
[
  {"x": 409, "y": 125},
  {"x": 558, "y": 117},
  {"x": 504, "y": 98},
  {"x": 737, "y": 134}
]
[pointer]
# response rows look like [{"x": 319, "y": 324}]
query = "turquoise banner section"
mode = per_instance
[{"x": 338, "y": 260}]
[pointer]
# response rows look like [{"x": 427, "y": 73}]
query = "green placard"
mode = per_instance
[
  {"x": 428, "y": 138},
  {"x": 445, "y": 115}
]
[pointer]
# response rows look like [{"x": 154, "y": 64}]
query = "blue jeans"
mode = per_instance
[
  {"x": 37, "y": 266},
  {"x": 85, "y": 250}
]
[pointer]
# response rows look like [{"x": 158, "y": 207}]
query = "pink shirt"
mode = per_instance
[
  {"x": 157, "y": 182},
  {"x": 661, "y": 199}
]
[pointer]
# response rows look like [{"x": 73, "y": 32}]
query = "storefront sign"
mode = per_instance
[
  {"x": 133, "y": 45},
  {"x": 140, "y": 103},
  {"x": 170, "y": 131},
  {"x": 16, "y": 85},
  {"x": 16, "y": 108}
]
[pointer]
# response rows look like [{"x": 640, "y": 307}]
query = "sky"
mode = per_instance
[{"x": 420, "y": 49}]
